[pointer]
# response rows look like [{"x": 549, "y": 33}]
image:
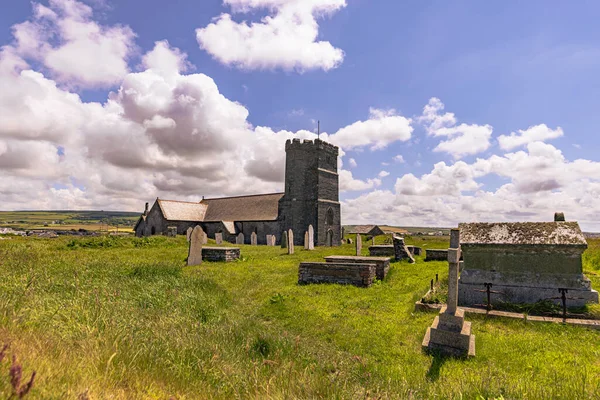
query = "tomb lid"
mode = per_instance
[{"x": 522, "y": 233}]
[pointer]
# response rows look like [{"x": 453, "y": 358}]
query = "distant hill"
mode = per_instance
[
  {"x": 67, "y": 220},
  {"x": 411, "y": 230}
]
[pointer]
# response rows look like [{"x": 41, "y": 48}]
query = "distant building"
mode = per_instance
[
  {"x": 369, "y": 230},
  {"x": 311, "y": 197}
]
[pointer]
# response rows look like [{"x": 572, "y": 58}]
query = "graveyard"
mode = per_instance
[{"x": 127, "y": 318}]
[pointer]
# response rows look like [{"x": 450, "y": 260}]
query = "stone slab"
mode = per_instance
[
  {"x": 382, "y": 250},
  {"x": 226, "y": 254},
  {"x": 382, "y": 263},
  {"x": 429, "y": 346},
  {"x": 436, "y": 255},
  {"x": 361, "y": 275}
]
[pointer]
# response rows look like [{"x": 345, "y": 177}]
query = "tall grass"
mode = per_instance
[{"x": 129, "y": 321}]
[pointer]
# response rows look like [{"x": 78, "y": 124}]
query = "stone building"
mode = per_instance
[
  {"x": 310, "y": 197},
  {"x": 525, "y": 262}
]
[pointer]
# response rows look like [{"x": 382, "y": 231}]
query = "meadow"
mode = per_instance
[
  {"x": 124, "y": 318},
  {"x": 68, "y": 220}
]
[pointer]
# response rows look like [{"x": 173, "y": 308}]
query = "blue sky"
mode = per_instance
[{"x": 497, "y": 67}]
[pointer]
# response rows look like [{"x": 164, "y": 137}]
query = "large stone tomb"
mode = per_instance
[
  {"x": 525, "y": 261},
  {"x": 382, "y": 263},
  {"x": 361, "y": 275}
]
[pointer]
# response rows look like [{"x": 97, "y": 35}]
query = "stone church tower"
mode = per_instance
[{"x": 311, "y": 192}]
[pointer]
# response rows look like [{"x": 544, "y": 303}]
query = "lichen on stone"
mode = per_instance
[{"x": 528, "y": 233}]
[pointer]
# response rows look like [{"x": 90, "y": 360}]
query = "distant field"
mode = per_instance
[{"x": 67, "y": 220}]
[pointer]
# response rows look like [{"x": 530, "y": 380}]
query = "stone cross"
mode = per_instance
[
  {"x": 253, "y": 239},
  {"x": 239, "y": 239},
  {"x": 453, "y": 261},
  {"x": 311, "y": 237},
  {"x": 290, "y": 237},
  {"x": 188, "y": 233},
  {"x": 218, "y": 238},
  {"x": 195, "y": 249},
  {"x": 284, "y": 240},
  {"x": 306, "y": 240},
  {"x": 358, "y": 244}
]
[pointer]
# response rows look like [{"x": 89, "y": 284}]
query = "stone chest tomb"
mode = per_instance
[{"x": 525, "y": 261}]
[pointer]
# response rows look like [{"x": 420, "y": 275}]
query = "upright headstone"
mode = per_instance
[
  {"x": 171, "y": 231},
  {"x": 373, "y": 241},
  {"x": 195, "y": 249},
  {"x": 284, "y": 240},
  {"x": 253, "y": 239},
  {"x": 188, "y": 233},
  {"x": 239, "y": 239},
  {"x": 290, "y": 238},
  {"x": 205, "y": 239},
  {"x": 269, "y": 240},
  {"x": 306, "y": 240},
  {"x": 450, "y": 334},
  {"x": 218, "y": 238},
  {"x": 358, "y": 244},
  {"x": 311, "y": 237}
]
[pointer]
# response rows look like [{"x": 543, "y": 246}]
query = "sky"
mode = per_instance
[{"x": 444, "y": 112}]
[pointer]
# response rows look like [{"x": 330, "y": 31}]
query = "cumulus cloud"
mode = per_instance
[
  {"x": 350, "y": 184},
  {"x": 352, "y": 163},
  {"x": 286, "y": 38},
  {"x": 382, "y": 128},
  {"x": 383, "y": 174},
  {"x": 460, "y": 140},
  {"x": 532, "y": 134},
  {"x": 76, "y": 50},
  {"x": 399, "y": 159}
]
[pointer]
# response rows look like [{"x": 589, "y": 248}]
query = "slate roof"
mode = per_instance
[
  {"x": 522, "y": 233},
  {"x": 261, "y": 207},
  {"x": 182, "y": 210},
  {"x": 367, "y": 230}
]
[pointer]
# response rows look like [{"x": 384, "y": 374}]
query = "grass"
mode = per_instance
[
  {"x": 68, "y": 220},
  {"x": 123, "y": 318}
]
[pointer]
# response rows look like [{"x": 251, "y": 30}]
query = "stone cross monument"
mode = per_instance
[
  {"x": 358, "y": 244},
  {"x": 450, "y": 334}
]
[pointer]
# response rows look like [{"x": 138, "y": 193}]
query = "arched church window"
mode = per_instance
[{"x": 329, "y": 217}]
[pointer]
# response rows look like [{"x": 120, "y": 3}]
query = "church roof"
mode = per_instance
[
  {"x": 182, "y": 210},
  {"x": 522, "y": 233},
  {"x": 261, "y": 207},
  {"x": 374, "y": 230}
]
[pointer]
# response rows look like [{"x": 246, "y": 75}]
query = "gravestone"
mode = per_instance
[
  {"x": 400, "y": 250},
  {"x": 269, "y": 240},
  {"x": 306, "y": 240},
  {"x": 195, "y": 249},
  {"x": 239, "y": 239},
  {"x": 284, "y": 240},
  {"x": 349, "y": 241},
  {"x": 311, "y": 237},
  {"x": 205, "y": 239},
  {"x": 218, "y": 238},
  {"x": 450, "y": 334},
  {"x": 273, "y": 240},
  {"x": 188, "y": 233},
  {"x": 358, "y": 244},
  {"x": 290, "y": 246},
  {"x": 253, "y": 239},
  {"x": 373, "y": 241},
  {"x": 171, "y": 231}
]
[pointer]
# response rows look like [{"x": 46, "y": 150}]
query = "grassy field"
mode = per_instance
[
  {"x": 123, "y": 318},
  {"x": 67, "y": 220}
]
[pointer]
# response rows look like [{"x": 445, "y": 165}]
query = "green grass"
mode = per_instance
[
  {"x": 123, "y": 318},
  {"x": 67, "y": 220}
]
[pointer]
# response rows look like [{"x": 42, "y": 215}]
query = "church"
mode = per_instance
[{"x": 310, "y": 197}]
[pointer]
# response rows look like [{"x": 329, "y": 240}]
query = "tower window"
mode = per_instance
[{"x": 329, "y": 217}]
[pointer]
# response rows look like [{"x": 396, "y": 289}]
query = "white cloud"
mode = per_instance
[
  {"x": 399, "y": 159},
  {"x": 349, "y": 184},
  {"x": 76, "y": 50},
  {"x": 352, "y": 163},
  {"x": 382, "y": 128},
  {"x": 383, "y": 174},
  {"x": 286, "y": 39},
  {"x": 461, "y": 140},
  {"x": 532, "y": 134}
]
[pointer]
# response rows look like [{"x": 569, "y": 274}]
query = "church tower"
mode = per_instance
[{"x": 311, "y": 192}]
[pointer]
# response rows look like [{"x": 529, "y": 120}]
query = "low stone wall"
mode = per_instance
[
  {"x": 226, "y": 254},
  {"x": 382, "y": 264},
  {"x": 382, "y": 250},
  {"x": 414, "y": 250},
  {"x": 436, "y": 255},
  {"x": 361, "y": 275}
]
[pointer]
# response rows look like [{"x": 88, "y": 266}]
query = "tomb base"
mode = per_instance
[{"x": 450, "y": 335}]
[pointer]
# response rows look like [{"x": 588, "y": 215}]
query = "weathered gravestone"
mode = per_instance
[
  {"x": 218, "y": 238},
  {"x": 400, "y": 250},
  {"x": 188, "y": 233},
  {"x": 290, "y": 245},
  {"x": 205, "y": 239},
  {"x": 253, "y": 239},
  {"x": 284, "y": 240},
  {"x": 171, "y": 231},
  {"x": 358, "y": 244},
  {"x": 195, "y": 249},
  {"x": 306, "y": 240},
  {"x": 450, "y": 334},
  {"x": 270, "y": 240},
  {"x": 311, "y": 237},
  {"x": 239, "y": 239},
  {"x": 273, "y": 240}
]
